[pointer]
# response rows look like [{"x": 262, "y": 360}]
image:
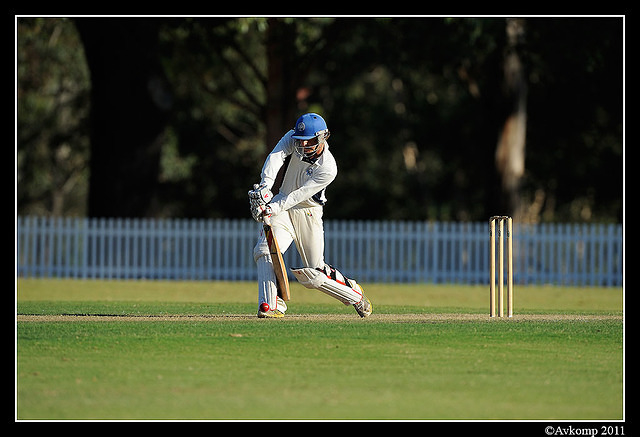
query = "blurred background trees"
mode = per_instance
[{"x": 431, "y": 118}]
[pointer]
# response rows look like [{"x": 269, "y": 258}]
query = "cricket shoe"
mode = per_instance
[
  {"x": 364, "y": 307},
  {"x": 264, "y": 312}
]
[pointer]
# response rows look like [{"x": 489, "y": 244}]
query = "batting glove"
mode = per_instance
[
  {"x": 259, "y": 212},
  {"x": 260, "y": 194}
]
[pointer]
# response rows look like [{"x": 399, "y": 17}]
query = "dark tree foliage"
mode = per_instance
[{"x": 184, "y": 110}]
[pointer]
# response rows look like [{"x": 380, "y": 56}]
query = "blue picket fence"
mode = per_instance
[{"x": 370, "y": 251}]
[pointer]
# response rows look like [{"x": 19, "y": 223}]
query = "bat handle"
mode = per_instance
[{"x": 267, "y": 220}]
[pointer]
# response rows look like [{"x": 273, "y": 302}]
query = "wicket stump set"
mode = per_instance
[{"x": 502, "y": 221}]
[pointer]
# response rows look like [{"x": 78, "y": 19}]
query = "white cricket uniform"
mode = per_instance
[{"x": 298, "y": 212}]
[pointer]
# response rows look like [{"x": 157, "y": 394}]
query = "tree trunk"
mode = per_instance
[
  {"x": 280, "y": 114},
  {"x": 130, "y": 104},
  {"x": 510, "y": 152}
]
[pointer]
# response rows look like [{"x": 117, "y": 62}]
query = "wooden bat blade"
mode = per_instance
[{"x": 282, "y": 281}]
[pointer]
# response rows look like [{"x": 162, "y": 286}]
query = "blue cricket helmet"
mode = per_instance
[{"x": 309, "y": 126}]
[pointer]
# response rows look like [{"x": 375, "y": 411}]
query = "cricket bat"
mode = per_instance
[{"x": 279, "y": 268}]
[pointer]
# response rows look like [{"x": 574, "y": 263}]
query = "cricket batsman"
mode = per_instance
[{"x": 295, "y": 214}]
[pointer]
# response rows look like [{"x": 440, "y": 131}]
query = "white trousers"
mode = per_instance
[{"x": 302, "y": 226}]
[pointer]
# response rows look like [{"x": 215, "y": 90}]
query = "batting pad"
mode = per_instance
[{"x": 314, "y": 278}]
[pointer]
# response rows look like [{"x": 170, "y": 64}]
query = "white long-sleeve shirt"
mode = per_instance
[{"x": 304, "y": 183}]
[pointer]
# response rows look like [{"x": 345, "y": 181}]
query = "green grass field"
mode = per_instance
[{"x": 138, "y": 350}]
